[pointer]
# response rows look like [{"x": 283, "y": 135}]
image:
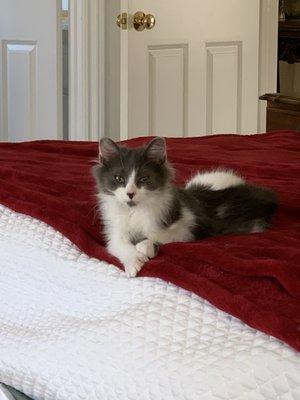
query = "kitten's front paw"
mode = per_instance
[
  {"x": 134, "y": 264},
  {"x": 147, "y": 247}
]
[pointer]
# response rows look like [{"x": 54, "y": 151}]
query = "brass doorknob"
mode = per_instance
[
  {"x": 142, "y": 21},
  {"x": 122, "y": 20}
]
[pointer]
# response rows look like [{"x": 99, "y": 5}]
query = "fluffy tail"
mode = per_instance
[
  {"x": 230, "y": 204},
  {"x": 215, "y": 180}
]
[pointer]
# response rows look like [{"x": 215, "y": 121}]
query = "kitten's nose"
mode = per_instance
[{"x": 130, "y": 195}]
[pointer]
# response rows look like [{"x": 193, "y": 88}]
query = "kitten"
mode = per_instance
[{"x": 142, "y": 209}]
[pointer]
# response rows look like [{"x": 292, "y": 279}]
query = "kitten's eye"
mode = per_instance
[
  {"x": 119, "y": 179},
  {"x": 144, "y": 179}
]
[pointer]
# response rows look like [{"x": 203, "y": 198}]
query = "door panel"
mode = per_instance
[
  {"x": 223, "y": 96},
  {"x": 167, "y": 92},
  {"x": 196, "y": 72},
  {"x": 19, "y": 89},
  {"x": 30, "y": 71}
]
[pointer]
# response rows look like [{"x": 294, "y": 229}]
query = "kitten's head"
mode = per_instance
[{"x": 132, "y": 176}]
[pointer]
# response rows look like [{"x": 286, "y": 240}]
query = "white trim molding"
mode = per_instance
[
  {"x": 59, "y": 52},
  {"x": 86, "y": 70},
  {"x": 268, "y": 26},
  {"x": 124, "y": 76}
]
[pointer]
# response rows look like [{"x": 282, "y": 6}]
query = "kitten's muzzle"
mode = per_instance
[{"x": 131, "y": 203}]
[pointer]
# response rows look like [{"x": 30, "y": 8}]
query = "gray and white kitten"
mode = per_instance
[{"x": 142, "y": 209}]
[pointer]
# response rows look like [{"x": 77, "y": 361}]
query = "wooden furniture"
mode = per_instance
[
  {"x": 289, "y": 41},
  {"x": 283, "y": 112}
]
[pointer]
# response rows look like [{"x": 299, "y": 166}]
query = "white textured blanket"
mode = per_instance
[{"x": 72, "y": 327}]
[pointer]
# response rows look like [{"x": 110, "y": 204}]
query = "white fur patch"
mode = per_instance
[
  {"x": 121, "y": 192},
  {"x": 216, "y": 180},
  {"x": 257, "y": 227},
  {"x": 131, "y": 186},
  {"x": 122, "y": 222},
  {"x": 179, "y": 231},
  {"x": 146, "y": 247}
]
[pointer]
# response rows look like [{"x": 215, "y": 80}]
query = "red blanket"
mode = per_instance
[{"x": 253, "y": 277}]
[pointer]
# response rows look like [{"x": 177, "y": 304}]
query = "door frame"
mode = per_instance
[
  {"x": 87, "y": 67},
  {"x": 124, "y": 73},
  {"x": 268, "y": 28},
  {"x": 59, "y": 56}
]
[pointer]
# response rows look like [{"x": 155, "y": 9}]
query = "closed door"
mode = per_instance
[
  {"x": 30, "y": 70},
  {"x": 195, "y": 72}
]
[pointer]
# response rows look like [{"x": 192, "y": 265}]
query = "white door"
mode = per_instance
[
  {"x": 195, "y": 73},
  {"x": 30, "y": 70}
]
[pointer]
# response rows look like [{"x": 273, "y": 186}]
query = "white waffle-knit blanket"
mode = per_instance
[{"x": 74, "y": 328}]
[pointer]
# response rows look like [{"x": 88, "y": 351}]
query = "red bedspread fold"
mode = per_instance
[{"x": 253, "y": 277}]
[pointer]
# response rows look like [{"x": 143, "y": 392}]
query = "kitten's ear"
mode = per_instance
[
  {"x": 107, "y": 150},
  {"x": 156, "y": 150}
]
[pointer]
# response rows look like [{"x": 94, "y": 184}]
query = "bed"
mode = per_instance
[{"x": 217, "y": 319}]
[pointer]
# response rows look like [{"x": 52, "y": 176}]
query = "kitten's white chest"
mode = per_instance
[
  {"x": 146, "y": 221},
  {"x": 126, "y": 220},
  {"x": 141, "y": 222}
]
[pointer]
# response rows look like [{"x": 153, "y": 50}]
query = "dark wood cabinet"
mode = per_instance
[
  {"x": 283, "y": 112},
  {"x": 289, "y": 41}
]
